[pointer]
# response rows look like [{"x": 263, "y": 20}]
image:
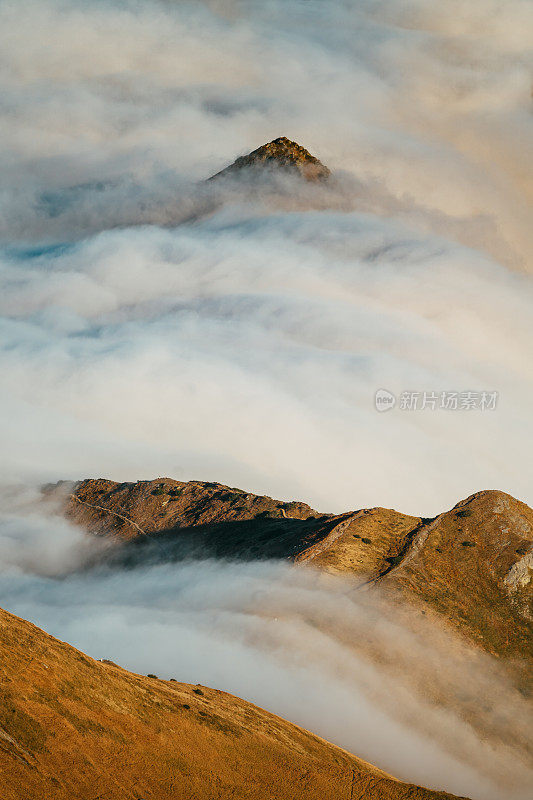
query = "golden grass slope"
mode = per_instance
[
  {"x": 72, "y": 728},
  {"x": 471, "y": 565}
]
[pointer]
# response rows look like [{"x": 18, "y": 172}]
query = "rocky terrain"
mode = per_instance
[
  {"x": 470, "y": 565},
  {"x": 283, "y": 154},
  {"x": 72, "y": 728}
]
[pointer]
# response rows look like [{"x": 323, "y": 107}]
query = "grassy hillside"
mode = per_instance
[{"x": 72, "y": 728}]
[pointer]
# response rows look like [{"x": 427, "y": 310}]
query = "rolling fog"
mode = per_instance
[{"x": 152, "y": 324}]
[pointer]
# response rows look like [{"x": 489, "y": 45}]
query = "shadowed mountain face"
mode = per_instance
[
  {"x": 172, "y": 519},
  {"x": 283, "y": 154},
  {"x": 472, "y": 565},
  {"x": 72, "y": 728}
]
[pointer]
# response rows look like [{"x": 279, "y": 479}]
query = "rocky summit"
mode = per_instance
[{"x": 283, "y": 154}]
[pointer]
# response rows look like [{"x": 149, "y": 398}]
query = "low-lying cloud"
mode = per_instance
[
  {"x": 247, "y": 349},
  {"x": 109, "y": 106},
  {"x": 243, "y": 341}
]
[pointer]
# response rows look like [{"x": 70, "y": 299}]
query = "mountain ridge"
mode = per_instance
[{"x": 470, "y": 564}]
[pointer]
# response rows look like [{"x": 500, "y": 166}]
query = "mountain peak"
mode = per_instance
[{"x": 280, "y": 153}]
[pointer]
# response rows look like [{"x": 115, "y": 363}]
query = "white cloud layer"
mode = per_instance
[
  {"x": 244, "y": 342},
  {"x": 246, "y": 348}
]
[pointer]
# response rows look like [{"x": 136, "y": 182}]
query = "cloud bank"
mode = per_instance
[
  {"x": 246, "y": 348},
  {"x": 430, "y": 104},
  {"x": 239, "y": 335}
]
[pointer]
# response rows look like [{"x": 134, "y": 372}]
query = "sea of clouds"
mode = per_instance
[{"x": 152, "y": 324}]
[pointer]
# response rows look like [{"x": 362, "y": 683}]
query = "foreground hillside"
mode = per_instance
[
  {"x": 472, "y": 565},
  {"x": 74, "y": 728}
]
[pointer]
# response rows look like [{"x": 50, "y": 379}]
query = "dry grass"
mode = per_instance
[{"x": 76, "y": 729}]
